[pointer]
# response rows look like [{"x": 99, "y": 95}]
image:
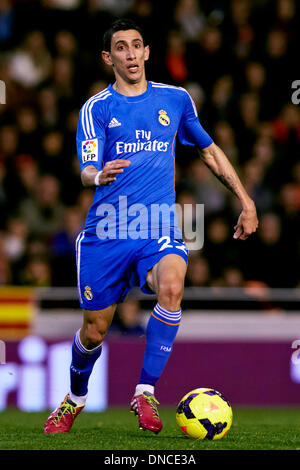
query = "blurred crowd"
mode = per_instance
[{"x": 237, "y": 60}]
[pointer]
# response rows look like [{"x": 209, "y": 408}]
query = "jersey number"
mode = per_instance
[{"x": 167, "y": 244}]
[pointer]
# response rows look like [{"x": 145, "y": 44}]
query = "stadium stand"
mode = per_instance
[{"x": 236, "y": 58}]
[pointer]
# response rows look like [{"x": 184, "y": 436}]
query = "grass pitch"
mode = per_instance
[{"x": 116, "y": 429}]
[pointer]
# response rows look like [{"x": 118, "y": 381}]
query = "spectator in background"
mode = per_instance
[
  {"x": 29, "y": 132},
  {"x": 295, "y": 177},
  {"x": 65, "y": 5},
  {"x": 24, "y": 179},
  {"x": 210, "y": 54},
  {"x": 15, "y": 238},
  {"x": 271, "y": 253},
  {"x": 279, "y": 67},
  {"x": 62, "y": 248},
  {"x": 253, "y": 175},
  {"x": 3, "y": 194},
  {"x": 63, "y": 242},
  {"x": 289, "y": 213},
  {"x": 231, "y": 277},
  {"x": 62, "y": 81},
  {"x": 5, "y": 268},
  {"x": 175, "y": 60},
  {"x": 268, "y": 156},
  {"x": 198, "y": 272},
  {"x": 142, "y": 13},
  {"x": 84, "y": 201},
  {"x": 15, "y": 246},
  {"x": 247, "y": 123},
  {"x": 189, "y": 19},
  {"x": 255, "y": 82},
  {"x": 255, "y": 77},
  {"x": 49, "y": 116},
  {"x": 286, "y": 128},
  {"x": 97, "y": 86},
  {"x": 52, "y": 159},
  {"x": 70, "y": 62},
  {"x": 221, "y": 101},
  {"x": 240, "y": 29},
  {"x": 127, "y": 319},
  {"x": 264, "y": 152},
  {"x": 44, "y": 211},
  {"x": 219, "y": 248},
  {"x": 197, "y": 94},
  {"x": 7, "y": 22},
  {"x": 37, "y": 247},
  {"x": 9, "y": 143},
  {"x": 66, "y": 45},
  {"x": 37, "y": 273},
  {"x": 115, "y": 7},
  {"x": 286, "y": 15},
  {"x": 207, "y": 191},
  {"x": 225, "y": 138},
  {"x": 31, "y": 64}
]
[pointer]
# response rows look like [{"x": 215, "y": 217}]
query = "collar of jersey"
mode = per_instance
[{"x": 131, "y": 99}]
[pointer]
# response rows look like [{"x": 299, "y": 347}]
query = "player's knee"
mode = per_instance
[
  {"x": 94, "y": 335},
  {"x": 170, "y": 292}
]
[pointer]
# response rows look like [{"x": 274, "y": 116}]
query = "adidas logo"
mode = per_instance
[{"x": 114, "y": 123}]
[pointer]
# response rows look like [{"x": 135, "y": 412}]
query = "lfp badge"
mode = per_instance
[{"x": 90, "y": 150}]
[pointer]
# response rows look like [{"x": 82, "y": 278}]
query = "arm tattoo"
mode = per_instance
[
  {"x": 219, "y": 165},
  {"x": 227, "y": 180}
]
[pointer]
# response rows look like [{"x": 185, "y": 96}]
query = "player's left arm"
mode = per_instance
[
  {"x": 216, "y": 160},
  {"x": 191, "y": 132}
]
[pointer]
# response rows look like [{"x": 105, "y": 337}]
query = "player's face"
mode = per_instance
[{"x": 128, "y": 55}]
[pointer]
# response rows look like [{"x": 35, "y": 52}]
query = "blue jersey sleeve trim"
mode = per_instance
[
  {"x": 87, "y": 119},
  {"x": 91, "y": 131}
]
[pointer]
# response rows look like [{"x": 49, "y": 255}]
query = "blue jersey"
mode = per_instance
[{"x": 142, "y": 129}]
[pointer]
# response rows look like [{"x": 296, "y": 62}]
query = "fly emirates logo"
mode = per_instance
[{"x": 147, "y": 145}]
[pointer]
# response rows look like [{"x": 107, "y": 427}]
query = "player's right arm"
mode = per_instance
[
  {"x": 90, "y": 141},
  {"x": 104, "y": 177}
]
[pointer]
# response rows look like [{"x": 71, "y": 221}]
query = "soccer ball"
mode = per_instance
[{"x": 204, "y": 413}]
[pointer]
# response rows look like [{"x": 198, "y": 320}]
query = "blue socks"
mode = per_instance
[
  {"x": 161, "y": 332},
  {"x": 82, "y": 364}
]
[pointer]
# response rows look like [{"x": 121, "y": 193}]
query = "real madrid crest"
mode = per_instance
[
  {"x": 88, "y": 293},
  {"x": 163, "y": 118}
]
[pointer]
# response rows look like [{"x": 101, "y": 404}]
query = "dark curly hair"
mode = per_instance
[{"x": 120, "y": 25}]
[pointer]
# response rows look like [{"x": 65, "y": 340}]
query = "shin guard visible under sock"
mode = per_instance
[
  {"x": 82, "y": 364},
  {"x": 161, "y": 332}
]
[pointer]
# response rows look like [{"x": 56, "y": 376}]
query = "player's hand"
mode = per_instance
[
  {"x": 247, "y": 223},
  {"x": 111, "y": 170}
]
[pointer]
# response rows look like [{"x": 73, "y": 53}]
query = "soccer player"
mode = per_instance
[{"x": 125, "y": 142}]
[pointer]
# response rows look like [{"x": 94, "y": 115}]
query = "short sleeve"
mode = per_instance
[
  {"x": 90, "y": 137},
  {"x": 190, "y": 131}
]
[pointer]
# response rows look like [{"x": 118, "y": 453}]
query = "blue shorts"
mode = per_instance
[{"x": 108, "y": 268}]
